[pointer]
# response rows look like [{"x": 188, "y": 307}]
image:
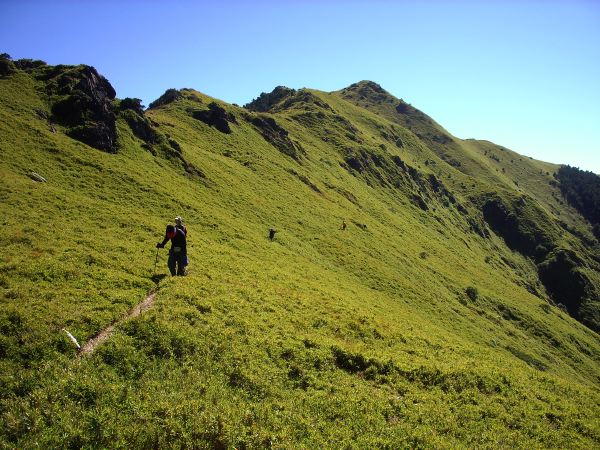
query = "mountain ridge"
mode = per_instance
[
  {"x": 426, "y": 321},
  {"x": 93, "y": 93}
]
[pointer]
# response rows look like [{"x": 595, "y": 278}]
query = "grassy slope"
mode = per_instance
[
  {"x": 321, "y": 338},
  {"x": 495, "y": 172},
  {"x": 488, "y": 163}
]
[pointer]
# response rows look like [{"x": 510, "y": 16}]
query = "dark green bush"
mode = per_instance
[
  {"x": 134, "y": 104},
  {"x": 472, "y": 293},
  {"x": 169, "y": 96},
  {"x": 6, "y": 65}
]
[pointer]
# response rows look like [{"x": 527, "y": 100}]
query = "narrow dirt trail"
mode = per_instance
[{"x": 91, "y": 345}]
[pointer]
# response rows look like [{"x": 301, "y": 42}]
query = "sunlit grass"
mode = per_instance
[{"x": 367, "y": 337}]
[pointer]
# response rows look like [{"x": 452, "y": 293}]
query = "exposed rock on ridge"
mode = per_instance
[
  {"x": 82, "y": 101},
  {"x": 277, "y": 136},
  {"x": 215, "y": 116}
]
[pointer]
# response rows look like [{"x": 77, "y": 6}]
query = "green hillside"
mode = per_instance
[{"x": 432, "y": 320}]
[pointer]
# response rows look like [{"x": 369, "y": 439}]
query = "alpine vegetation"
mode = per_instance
[{"x": 351, "y": 275}]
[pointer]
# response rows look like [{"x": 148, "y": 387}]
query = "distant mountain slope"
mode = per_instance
[
  {"x": 519, "y": 198},
  {"x": 430, "y": 320}
]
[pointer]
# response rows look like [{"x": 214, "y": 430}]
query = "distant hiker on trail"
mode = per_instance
[
  {"x": 272, "y": 234},
  {"x": 343, "y": 228},
  {"x": 179, "y": 224},
  {"x": 178, "y": 251}
]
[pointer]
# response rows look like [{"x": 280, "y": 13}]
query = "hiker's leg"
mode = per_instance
[
  {"x": 180, "y": 264},
  {"x": 171, "y": 263}
]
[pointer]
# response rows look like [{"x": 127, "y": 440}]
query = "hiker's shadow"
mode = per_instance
[{"x": 158, "y": 277}]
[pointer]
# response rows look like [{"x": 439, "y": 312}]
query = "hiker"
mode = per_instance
[
  {"x": 179, "y": 224},
  {"x": 178, "y": 251},
  {"x": 272, "y": 234},
  {"x": 343, "y": 228}
]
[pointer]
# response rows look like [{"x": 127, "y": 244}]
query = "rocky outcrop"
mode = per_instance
[
  {"x": 514, "y": 224},
  {"x": 526, "y": 229},
  {"x": 132, "y": 111},
  {"x": 283, "y": 98},
  {"x": 368, "y": 91},
  {"x": 169, "y": 96},
  {"x": 82, "y": 101},
  {"x": 277, "y": 136},
  {"x": 265, "y": 101},
  {"x": 133, "y": 104},
  {"x": 568, "y": 285},
  {"x": 30, "y": 64},
  {"x": 140, "y": 126},
  {"x": 402, "y": 108},
  {"x": 95, "y": 134},
  {"x": 215, "y": 116}
]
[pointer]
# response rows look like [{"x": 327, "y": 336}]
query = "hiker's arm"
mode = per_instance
[{"x": 162, "y": 244}]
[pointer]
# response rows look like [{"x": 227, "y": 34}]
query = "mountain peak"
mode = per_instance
[
  {"x": 368, "y": 84},
  {"x": 265, "y": 101},
  {"x": 367, "y": 90},
  {"x": 169, "y": 96},
  {"x": 283, "y": 98}
]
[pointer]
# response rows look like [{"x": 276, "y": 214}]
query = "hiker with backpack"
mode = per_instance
[
  {"x": 178, "y": 252},
  {"x": 180, "y": 226}
]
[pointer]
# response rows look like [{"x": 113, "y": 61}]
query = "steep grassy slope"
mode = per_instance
[
  {"x": 415, "y": 326},
  {"x": 521, "y": 200},
  {"x": 488, "y": 162}
]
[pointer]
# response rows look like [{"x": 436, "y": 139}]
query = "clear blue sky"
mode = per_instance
[{"x": 523, "y": 74}]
